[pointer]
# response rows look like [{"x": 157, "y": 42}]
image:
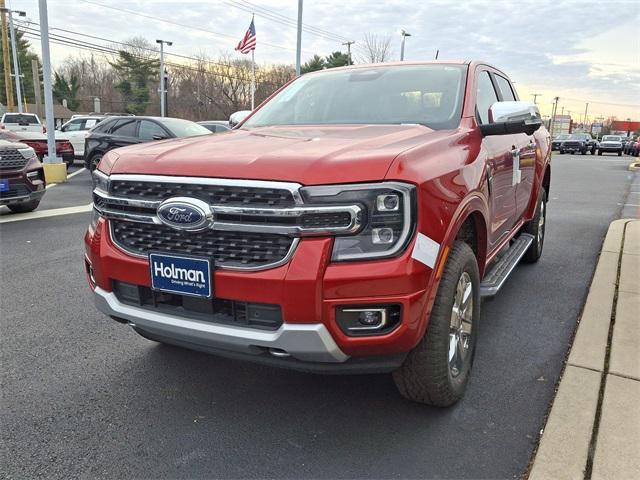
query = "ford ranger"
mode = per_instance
[{"x": 349, "y": 224}]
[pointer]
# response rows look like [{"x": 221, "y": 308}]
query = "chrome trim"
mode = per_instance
[
  {"x": 282, "y": 261},
  {"x": 229, "y": 182},
  {"x": 355, "y": 212},
  {"x": 310, "y": 342}
]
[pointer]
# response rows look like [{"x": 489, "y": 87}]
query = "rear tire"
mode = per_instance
[
  {"x": 536, "y": 227},
  {"x": 24, "y": 207},
  {"x": 437, "y": 370}
]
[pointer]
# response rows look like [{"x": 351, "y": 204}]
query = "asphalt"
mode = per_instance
[{"x": 83, "y": 396}]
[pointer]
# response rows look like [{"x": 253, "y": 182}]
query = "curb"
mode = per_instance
[{"x": 591, "y": 430}]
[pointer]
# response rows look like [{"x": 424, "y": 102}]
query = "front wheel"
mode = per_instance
[
  {"x": 94, "y": 161},
  {"x": 536, "y": 227},
  {"x": 24, "y": 207},
  {"x": 437, "y": 370},
  {"x": 619, "y": 153},
  {"x": 600, "y": 152}
]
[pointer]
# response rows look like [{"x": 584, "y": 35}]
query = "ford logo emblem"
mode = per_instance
[{"x": 183, "y": 213}]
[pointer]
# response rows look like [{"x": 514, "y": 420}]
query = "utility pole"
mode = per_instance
[
  {"x": 36, "y": 87},
  {"x": 404, "y": 36},
  {"x": 586, "y": 108},
  {"x": 299, "y": 39},
  {"x": 437, "y": 53},
  {"x": 348, "y": 44},
  {"x": 553, "y": 115},
  {"x": 5, "y": 58},
  {"x": 535, "y": 96},
  {"x": 162, "y": 89},
  {"x": 16, "y": 68}
]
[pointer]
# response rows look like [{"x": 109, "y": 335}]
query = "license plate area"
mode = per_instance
[
  {"x": 182, "y": 274},
  {"x": 4, "y": 185}
]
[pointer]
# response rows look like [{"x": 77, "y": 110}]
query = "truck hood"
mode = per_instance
[{"x": 307, "y": 155}]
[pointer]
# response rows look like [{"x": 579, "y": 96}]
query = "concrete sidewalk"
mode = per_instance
[{"x": 593, "y": 429}]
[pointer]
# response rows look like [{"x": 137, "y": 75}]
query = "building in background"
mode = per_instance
[{"x": 561, "y": 124}]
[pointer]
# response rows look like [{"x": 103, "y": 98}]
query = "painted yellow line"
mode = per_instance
[
  {"x": 54, "y": 212},
  {"x": 71, "y": 175}
]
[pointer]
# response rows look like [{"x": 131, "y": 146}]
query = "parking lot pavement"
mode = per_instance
[{"x": 85, "y": 396}]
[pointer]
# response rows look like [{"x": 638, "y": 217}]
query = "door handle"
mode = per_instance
[{"x": 489, "y": 178}]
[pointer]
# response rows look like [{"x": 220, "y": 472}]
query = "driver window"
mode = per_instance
[{"x": 485, "y": 97}]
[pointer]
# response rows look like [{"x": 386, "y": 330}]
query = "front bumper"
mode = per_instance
[
  {"x": 308, "y": 289},
  {"x": 610, "y": 148},
  {"x": 21, "y": 188}
]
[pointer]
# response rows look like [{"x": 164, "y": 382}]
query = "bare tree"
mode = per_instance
[{"x": 374, "y": 49}]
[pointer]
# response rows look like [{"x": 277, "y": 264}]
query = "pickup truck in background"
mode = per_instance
[
  {"x": 579, "y": 142},
  {"x": 22, "y": 122},
  {"x": 350, "y": 224}
]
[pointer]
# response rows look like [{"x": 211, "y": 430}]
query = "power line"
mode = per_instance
[{"x": 171, "y": 22}]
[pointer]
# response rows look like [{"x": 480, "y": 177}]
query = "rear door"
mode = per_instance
[
  {"x": 73, "y": 131},
  {"x": 523, "y": 149},
  {"x": 499, "y": 163},
  {"x": 124, "y": 132}
]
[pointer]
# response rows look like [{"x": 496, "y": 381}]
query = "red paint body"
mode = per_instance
[{"x": 449, "y": 168}]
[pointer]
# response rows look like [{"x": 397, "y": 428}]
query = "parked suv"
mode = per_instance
[
  {"x": 22, "y": 183},
  {"x": 579, "y": 142},
  {"x": 122, "y": 131},
  {"x": 351, "y": 223}
]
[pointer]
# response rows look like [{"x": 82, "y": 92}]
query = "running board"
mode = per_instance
[{"x": 500, "y": 271}]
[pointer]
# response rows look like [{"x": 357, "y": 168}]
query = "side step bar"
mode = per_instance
[{"x": 500, "y": 271}]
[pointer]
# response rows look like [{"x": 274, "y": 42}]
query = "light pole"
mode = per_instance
[
  {"x": 404, "y": 36},
  {"x": 162, "y": 90},
  {"x": 298, "y": 39},
  {"x": 16, "y": 69},
  {"x": 535, "y": 97}
]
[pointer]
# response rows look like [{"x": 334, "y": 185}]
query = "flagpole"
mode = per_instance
[
  {"x": 253, "y": 79},
  {"x": 253, "y": 72}
]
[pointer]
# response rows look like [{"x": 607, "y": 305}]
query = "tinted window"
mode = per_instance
[
  {"x": 430, "y": 95},
  {"x": 149, "y": 129},
  {"x": 486, "y": 96},
  {"x": 505, "y": 89},
  {"x": 104, "y": 126},
  {"x": 124, "y": 128},
  {"x": 184, "y": 128}
]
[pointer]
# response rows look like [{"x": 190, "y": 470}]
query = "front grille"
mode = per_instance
[
  {"x": 11, "y": 159},
  {"x": 212, "y": 194},
  {"x": 15, "y": 190},
  {"x": 326, "y": 220},
  {"x": 228, "y": 249},
  {"x": 572, "y": 144},
  {"x": 217, "y": 310}
]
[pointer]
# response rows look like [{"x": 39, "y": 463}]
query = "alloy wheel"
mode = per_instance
[{"x": 460, "y": 325}]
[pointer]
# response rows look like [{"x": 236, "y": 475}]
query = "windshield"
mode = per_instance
[
  {"x": 184, "y": 128},
  {"x": 21, "y": 118},
  {"x": 611, "y": 138},
  {"x": 578, "y": 136},
  {"x": 430, "y": 95},
  {"x": 562, "y": 136}
]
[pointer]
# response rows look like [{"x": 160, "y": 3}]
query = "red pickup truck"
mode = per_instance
[{"x": 350, "y": 224}]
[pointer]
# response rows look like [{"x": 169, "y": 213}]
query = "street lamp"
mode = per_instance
[
  {"x": 162, "y": 90},
  {"x": 404, "y": 36},
  {"x": 16, "y": 70}
]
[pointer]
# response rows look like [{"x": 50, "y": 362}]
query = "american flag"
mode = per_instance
[{"x": 248, "y": 43}]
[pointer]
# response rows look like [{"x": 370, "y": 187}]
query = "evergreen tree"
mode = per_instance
[
  {"x": 25, "y": 56},
  {"x": 136, "y": 73},
  {"x": 64, "y": 89}
]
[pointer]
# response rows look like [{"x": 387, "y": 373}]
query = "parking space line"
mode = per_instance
[
  {"x": 54, "y": 212},
  {"x": 71, "y": 175}
]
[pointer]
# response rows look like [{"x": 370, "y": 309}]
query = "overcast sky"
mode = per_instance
[{"x": 581, "y": 51}]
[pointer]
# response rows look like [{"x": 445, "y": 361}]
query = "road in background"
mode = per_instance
[{"x": 85, "y": 396}]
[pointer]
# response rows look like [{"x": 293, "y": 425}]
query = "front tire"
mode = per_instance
[
  {"x": 600, "y": 152},
  {"x": 536, "y": 227},
  {"x": 93, "y": 162},
  {"x": 437, "y": 370},
  {"x": 24, "y": 207}
]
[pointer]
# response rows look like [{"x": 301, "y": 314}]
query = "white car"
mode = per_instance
[
  {"x": 21, "y": 122},
  {"x": 76, "y": 130}
]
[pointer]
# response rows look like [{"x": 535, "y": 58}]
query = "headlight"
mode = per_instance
[
  {"x": 100, "y": 181},
  {"x": 27, "y": 152},
  {"x": 94, "y": 219},
  {"x": 389, "y": 217}
]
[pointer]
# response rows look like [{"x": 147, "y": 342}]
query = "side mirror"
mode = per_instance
[
  {"x": 159, "y": 137},
  {"x": 507, "y": 118},
  {"x": 238, "y": 117}
]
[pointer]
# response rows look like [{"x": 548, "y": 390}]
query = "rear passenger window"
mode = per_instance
[
  {"x": 485, "y": 97},
  {"x": 505, "y": 89},
  {"x": 124, "y": 128}
]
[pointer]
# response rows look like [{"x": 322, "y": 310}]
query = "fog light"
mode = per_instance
[
  {"x": 387, "y": 203},
  {"x": 368, "y": 320},
  {"x": 382, "y": 235}
]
